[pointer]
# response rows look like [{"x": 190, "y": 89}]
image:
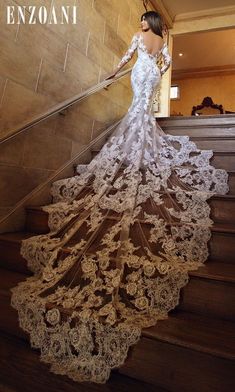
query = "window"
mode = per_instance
[{"x": 175, "y": 92}]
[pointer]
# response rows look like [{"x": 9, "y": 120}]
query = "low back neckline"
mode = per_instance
[{"x": 146, "y": 50}]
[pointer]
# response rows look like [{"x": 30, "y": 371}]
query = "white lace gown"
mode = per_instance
[{"x": 124, "y": 233}]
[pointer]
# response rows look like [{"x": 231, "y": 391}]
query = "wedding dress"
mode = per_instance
[{"x": 124, "y": 233}]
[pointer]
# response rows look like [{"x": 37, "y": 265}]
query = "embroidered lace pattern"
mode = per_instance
[{"x": 124, "y": 233}]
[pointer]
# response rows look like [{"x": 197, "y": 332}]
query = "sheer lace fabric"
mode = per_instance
[{"x": 124, "y": 233}]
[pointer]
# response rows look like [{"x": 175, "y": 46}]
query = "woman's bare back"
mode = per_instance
[{"x": 152, "y": 42}]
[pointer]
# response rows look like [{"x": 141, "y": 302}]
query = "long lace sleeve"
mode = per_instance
[
  {"x": 167, "y": 59},
  {"x": 130, "y": 52}
]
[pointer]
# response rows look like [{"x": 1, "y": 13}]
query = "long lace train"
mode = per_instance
[{"x": 124, "y": 233}]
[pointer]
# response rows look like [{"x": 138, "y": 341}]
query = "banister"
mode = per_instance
[{"x": 64, "y": 105}]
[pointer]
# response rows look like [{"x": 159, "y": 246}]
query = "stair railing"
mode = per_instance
[
  {"x": 59, "y": 108},
  {"x": 15, "y": 218}
]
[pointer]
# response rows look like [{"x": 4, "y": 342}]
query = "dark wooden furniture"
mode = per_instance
[{"x": 207, "y": 107}]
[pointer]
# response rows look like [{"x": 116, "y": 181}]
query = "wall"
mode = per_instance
[
  {"x": 164, "y": 105},
  {"x": 42, "y": 65},
  {"x": 46, "y": 64},
  {"x": 192, "y": 91}
]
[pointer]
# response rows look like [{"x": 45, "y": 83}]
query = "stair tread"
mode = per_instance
[
  {"x": 217, "y": 226},
  {"x": 222, "y": 152},
  {"x": 36, "y": 208},
  {"x": 226, "y": 197},
  {"x": 205, "y": 334},
  {"x": 223, "y": 227},
  {"x": 210, "y": 270},
  {"x": 215, "y": 152},
  {"x": 16, "y": 236},
  {"x": 229, "y": 197},
  {"x": 10, "y": 279},
  {"x": 216, "y": 271},
  {"x": 17, "y": 355}
]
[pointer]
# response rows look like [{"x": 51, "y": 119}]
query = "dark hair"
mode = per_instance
[{"x": 155, "y": 22}]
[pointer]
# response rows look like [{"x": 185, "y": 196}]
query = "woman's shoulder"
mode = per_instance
[{"x": 137, "y": 34}]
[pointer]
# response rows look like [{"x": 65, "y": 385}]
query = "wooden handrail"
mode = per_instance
[{"x": 64, "y": 105}]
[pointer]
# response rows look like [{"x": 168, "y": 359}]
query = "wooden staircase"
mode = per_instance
[{"x": 194, "y": 349}]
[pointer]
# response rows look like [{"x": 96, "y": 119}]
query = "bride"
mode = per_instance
[{"x": 124, "y": 233}]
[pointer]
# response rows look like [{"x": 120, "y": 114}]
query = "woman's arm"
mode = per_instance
[
  {"x": 167, "y": 59},
  {"x": 127, "y": 56}
]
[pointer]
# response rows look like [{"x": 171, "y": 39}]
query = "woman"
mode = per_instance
[
  {"x": 151, "y": 42},
  {"x": 125, "y": 232}
]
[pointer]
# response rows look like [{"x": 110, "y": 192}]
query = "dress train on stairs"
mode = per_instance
[{"x": 124, "y": 233}]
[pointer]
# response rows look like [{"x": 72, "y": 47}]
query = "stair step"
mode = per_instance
[
  {"x": 220, "y": 160},
  {"x": 226, "y": 228},
  {"x": 176, "y": 317},
  {"x": 221, "y": 145},
  {"x": 18, "y": 358},
  {"x": 9, "y": 322},
  {"x": 216, "y": 271},
  {"x": 166, "y": 353},
  {"x": 222, "y": 243},
  {"x": 225, "y": 124},
  {"x": 201, "y": 132},
  {"x": 36, "y": 220},
  {"x": 222, "y": 210},
  {"x": 223, "y": 160},
  {"x": 217, "y": 144},
  {"x": 221, "y": 247},
  {"x": 10, "y": 256},
  {"x": 196, "y": 332},
  {"x": 190, "y": 351},
  {"x": 4, "y": 388},
  {"x": 10, "y": 244},
  {"x": 231, "y": 182},
  {"x": 212, "y": 280},
  {"x": 231, "y": 179}
]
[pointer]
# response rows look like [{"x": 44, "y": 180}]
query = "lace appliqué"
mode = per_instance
[
  {"x": 130, "y": 51},
  {"x": 124, "y": 233}
]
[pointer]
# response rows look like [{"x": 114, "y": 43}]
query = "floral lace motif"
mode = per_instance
[
  {"x": 124, "y": 233},
  {"x": 138, "y": 43}
]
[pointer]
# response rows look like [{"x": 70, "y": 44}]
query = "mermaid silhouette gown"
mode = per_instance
[{"x": 124, "y": 233}]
